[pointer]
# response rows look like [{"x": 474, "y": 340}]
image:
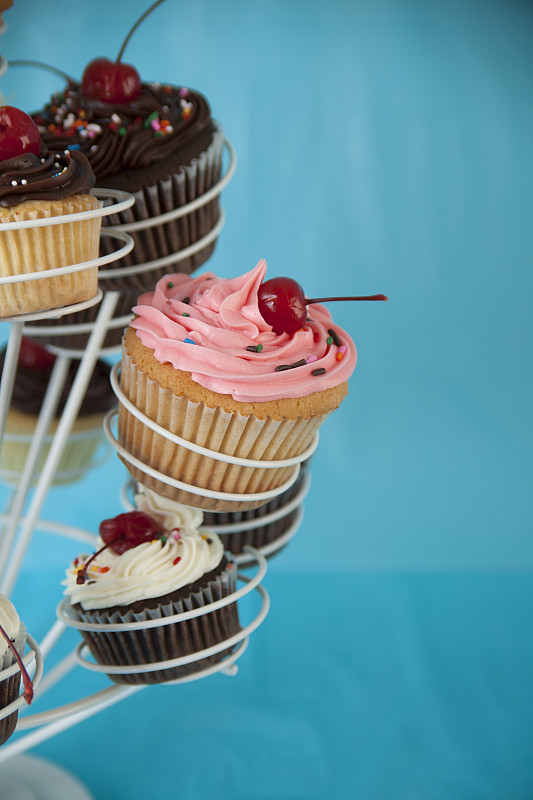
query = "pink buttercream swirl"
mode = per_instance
[{"x": 208, "y": 336}]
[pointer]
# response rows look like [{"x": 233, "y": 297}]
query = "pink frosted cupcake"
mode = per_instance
[{"x": 200, "y": 360}]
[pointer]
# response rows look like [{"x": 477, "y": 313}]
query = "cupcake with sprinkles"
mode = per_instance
[
  {"x": 237, "y": 366},
  {"x": 155, "y": 140},
  {"x": 153, "y": 563}
]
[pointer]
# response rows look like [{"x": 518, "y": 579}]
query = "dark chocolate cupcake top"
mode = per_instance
[
  {"x": 165, "y": 124},
  {"x": 51, "y": 176},
  {"x": 31, "y": 383}
]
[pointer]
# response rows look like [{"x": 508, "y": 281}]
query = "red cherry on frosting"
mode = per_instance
[
  {"x": 110, "y": 81},
  {"x": 121, "y": 533},
  {"x": 282, "y": 304},
  {"x": 33, "y": 355},
  {"x": 18, "y": 133},
  {"x": 128, "y": 530}
]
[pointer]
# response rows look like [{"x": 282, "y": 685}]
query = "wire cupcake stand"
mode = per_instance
[{"x": 22, "y": 515}]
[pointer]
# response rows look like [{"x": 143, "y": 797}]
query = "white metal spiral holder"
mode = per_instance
[
  {"x": 12, "y": 552},
  {"x": 12, "y": 548}
]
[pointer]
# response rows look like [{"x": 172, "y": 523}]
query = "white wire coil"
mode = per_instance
[{"x": 34, "y": 655}]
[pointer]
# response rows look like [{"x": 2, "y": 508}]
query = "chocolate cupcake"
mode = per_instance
[
  {"x": 162, "y": 146},
  {"x": 32, "y": 377},
  {"x": 151, "y": 566}
]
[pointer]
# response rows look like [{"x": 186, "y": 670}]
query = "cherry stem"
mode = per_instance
[
  {"x": 331, "y": 299},
  {"x": 82, "y": 572},
  {"x": 28, "y": 685},
  {"x": 132, "y": 31},
  {"x": 25, "y": 62}
]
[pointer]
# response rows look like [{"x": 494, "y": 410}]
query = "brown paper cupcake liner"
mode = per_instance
[
  {"x": 10, "y": 688},
  {"x": 165, "y": 642},
  {"x": 258, "y": 536},
  {"x": 162, "y": 240},
  {"x": 220, "y": 431},
  {"x": 78, "y": 341},
  {"x": 28, "y": 250}
]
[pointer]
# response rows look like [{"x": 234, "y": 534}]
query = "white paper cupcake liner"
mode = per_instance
[
  {"x": 38, "y": 249},
  {"x": 227, "y": 433}
]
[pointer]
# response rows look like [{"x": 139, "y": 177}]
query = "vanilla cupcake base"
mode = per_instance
[
  {"x": 85, "y": 441},
  {"x": 223, "y": 431},
  {"x": 37, "y": 249}
]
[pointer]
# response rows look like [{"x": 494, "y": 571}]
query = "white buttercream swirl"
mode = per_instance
[
  {"x": 169, "y": 514},
  {"x": 152, "y": 569},
  {"x": 9, "y": 620}
]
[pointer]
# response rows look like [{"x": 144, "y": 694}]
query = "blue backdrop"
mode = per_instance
[{"x": 383, "y": 147}]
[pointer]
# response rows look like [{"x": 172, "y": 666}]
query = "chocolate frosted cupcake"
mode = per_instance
[
  {"x": 152, "y": 565},
  {"x": 164, "y": 148},
  {"x": 36, "y": 183},
  {"x": 32, "y": 377},
  {"x": 10, "y": 686}
]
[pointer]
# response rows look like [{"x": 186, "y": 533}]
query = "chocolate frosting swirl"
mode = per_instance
[
  {"x": 31, "y": 384},
  {"x": 160, "y": 123},
  {"x": 50, "y": 177}
]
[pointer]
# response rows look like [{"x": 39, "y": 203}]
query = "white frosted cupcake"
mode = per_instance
[{"x": 151, "y": 564}]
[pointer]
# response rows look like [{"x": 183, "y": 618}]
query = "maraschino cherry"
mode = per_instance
[
  {"x": 110, "y": 81},
  {"x": 28, "y": 686},
  {"x": 113, "y": 81},
  {"x": 121, "y": 533},
  {"x": 282, "y": 304},
  {"x": 33, "y": 355},
  {"x": 18, "y": 133}
]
